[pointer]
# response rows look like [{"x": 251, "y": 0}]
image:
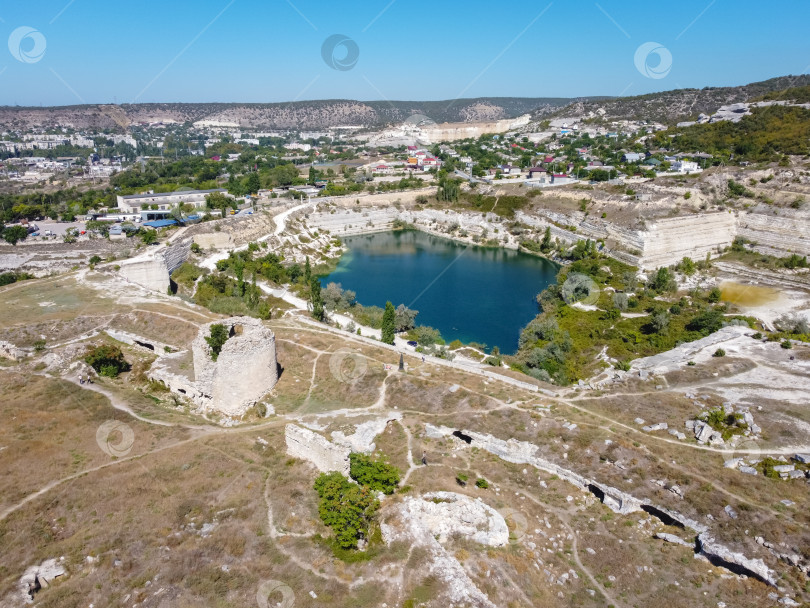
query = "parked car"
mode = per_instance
[{"x": 412, "y": 343}]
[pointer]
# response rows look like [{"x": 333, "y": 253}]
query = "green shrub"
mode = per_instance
[
  {"x": 482, "y": 483},
  {"x": 719, "y": 353},
  {"x": 39, "y": 345},
  {"x": 786, "y": 344},
  {"x": 461, "y": 479},
  {"x": 7, "y": 278},
  {"x": 216, "y": 339},
  {"x": 706, "y": 322},
  {"x": 377, "y": 475},
  {"x": 187, "y": 274},
  {"x": 757, "y": 336},
  {"x": 107, "y": 360}
]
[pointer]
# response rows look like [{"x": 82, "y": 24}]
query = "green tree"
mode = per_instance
[
  {"x": 15, "y": 234},
  {"x": 216, "y": 339},
  {"x": 316, "y": 300},
  {"x": 687, "y": 266},
  {"x": 307, "y": 272},
  {"x": 252, "y": 183},
  {"x": 448, "y": 190},
  {"x": 405, "y": 318},
  {"x": 389, "y": 324},
  {"x": 545, "y": 245},
  {"x": 662, "y": 281},
  {"x": 427, "y": 336},
  {"x": 218, "y": 200},
  {"x": 345, "y": 507}
]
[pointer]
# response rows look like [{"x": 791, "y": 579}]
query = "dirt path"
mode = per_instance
[{"x": 564, "y": 520}]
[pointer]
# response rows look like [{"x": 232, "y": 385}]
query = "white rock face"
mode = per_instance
[
  {"x": 151, "y": 272},
  {"x": 152, "y": 269},
  {"x": 245, "y": 370},
  {"x": 669, "y": 240},
  {"x": 317, "y": 449}
]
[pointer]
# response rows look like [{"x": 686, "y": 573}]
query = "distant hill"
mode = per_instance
[
  {"x": 670, "y": 107},
  {"x": 306, "y": 115}
]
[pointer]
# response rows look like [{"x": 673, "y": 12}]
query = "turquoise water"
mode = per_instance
[{"x": 469, "y": 293}]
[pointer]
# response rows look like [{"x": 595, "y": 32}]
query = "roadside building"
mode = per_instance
[{"x": 164, "y": 201}]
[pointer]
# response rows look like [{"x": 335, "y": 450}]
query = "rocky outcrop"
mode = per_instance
[
  {"x": 446, "y": 514},
  {"x": 10, "y": 351},
  {"x": 721, "y": 555},
  {"x": 44, "y": 574},
  {"x": 317, "y": 449},
  {"x": 153, "y": 268},
  {"x": 521, "y": 452},
  {"x": 433, "y": 519}
]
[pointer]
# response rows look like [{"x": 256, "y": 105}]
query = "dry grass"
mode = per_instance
[{"x": 148, "y": 512}]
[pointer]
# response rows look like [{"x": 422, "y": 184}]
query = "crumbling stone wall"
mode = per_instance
[
  {"x": 245, "y": 370},
  {"x": 317, "y": 449}
]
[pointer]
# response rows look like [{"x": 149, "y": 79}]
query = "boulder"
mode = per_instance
[
  {"x": 702, "y": 431},
  {"x": 671, "y": 538}
]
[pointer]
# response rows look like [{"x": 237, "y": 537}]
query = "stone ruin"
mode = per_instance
[
  {"x": 244, "y": 372},
  {"x": 328, "y": 456},
  {"x": 317, "y": 449},
  {"x": 153, "y": 268}
]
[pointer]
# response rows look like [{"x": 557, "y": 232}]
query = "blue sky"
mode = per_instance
[{"x": 271, "y": 50}]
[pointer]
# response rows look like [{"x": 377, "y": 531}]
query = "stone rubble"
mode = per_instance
[
  {"x": 419, "y": 521},
  {"x": 362, "y": 440}
]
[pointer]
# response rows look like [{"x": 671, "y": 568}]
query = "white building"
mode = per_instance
[
  {"x": 165, "y": 201},
  {"x": 685, "y": 166}
]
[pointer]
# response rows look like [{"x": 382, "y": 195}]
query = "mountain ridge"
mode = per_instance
[{"x": 668, "y": 107}]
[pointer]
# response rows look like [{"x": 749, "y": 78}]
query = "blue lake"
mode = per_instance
[{"x": 469, "y": 293}]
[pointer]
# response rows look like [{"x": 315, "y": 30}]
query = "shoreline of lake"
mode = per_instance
[{"x": 470, "y": 292}]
